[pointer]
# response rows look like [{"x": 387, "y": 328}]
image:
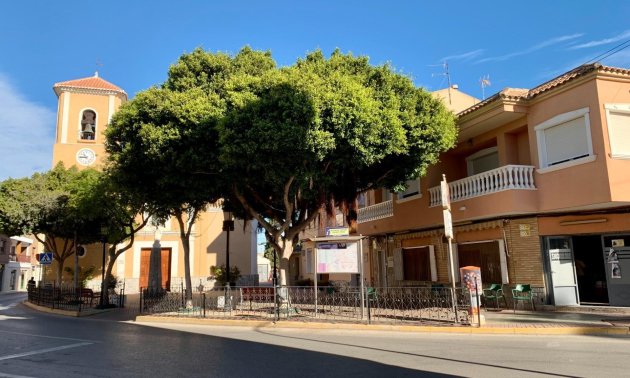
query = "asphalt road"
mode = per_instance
[{"x": 42, "y": 345}]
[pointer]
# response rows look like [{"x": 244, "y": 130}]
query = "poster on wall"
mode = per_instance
[
  {"x": 613, "y": 260},
  {"x": 337, "y": 258},
  {"x": 615, "y": 270}
]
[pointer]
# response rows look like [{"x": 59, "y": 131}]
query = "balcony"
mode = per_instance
[
  {"x": 18, "y": 258},
  {"x": 374, "y": 212},
  {"x": 508, "y": 177}
]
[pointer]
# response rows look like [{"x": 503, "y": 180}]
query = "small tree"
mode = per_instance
[
  {"x": 55, "y": 204},
  {"x": 219, "y": 274},
  {"x": 85, "y": 273}
]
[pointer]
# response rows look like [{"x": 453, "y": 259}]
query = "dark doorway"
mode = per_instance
[
  {"x": 165, "y": 263},
  {"x": 486, "y": 256},
  {"x": 589, "y": 269}
]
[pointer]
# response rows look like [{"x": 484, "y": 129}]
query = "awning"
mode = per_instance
[{"x": 22, "y": 239}]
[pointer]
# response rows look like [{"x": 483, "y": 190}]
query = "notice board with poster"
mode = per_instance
[
  {"x": 617, "y": 267},
  {"x": 337, "y": 258}
]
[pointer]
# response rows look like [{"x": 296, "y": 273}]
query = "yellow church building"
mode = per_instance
[{"x": 85, "y": 107}]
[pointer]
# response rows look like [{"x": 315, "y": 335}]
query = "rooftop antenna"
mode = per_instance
[
  {"x": 98, "y": 65},
  {"x": 448, "y": 79},
  {"x": 485, "y": 82}
]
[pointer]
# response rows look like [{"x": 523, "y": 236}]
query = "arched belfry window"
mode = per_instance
[{"x": 88, "y": 125}]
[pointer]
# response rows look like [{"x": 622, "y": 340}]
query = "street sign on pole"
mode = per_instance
[
  {"x": 46, "y": 258},
  {"x": 448, "y": 224},
  {"x": 445, "y": 193}
]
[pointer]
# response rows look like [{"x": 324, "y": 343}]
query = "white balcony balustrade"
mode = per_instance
[
  {"x": 374, "y": 212},
  {"x": 508, "y": 177}
]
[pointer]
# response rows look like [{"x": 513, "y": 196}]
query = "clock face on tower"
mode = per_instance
[{"x": 86, "y": 157}]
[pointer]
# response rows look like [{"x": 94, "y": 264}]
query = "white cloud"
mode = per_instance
[
  {"x": 464, "y": 56},
  {"x": 536, "y": 47},
  {"x": 617, "y": 38},
  {"x": 26, "y": 131}
]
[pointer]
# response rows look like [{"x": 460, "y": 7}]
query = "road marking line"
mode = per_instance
[
  {"x": 48, "y": 337},
  {"x": 43, "y": 351},
  {"x": 5, "y": 375}
]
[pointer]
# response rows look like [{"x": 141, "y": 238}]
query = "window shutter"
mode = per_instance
[
  {"x": 566, "y": 141},
  {"x": 433, "y": 264},
  {"x": 398, "y": 264},
  {"x": 619, "y": 133}
]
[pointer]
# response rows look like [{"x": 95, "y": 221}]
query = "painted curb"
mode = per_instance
[
  {"x": 56, "y": 311},
  {"x": 577, "y": 330},
  {"x": 51, "y": 310}
]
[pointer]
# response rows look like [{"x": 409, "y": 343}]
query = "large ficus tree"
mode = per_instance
[
  {"x": 162, "y": 145},
  {"x": 313, "y": 135}
]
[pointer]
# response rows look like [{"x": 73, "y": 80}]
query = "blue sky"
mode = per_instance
[{"x": 132, "y": 43}]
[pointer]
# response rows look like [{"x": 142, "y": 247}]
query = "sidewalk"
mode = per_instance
[
  {"x": 496, "y": 322},
  {"x": 576, "y": 321}
]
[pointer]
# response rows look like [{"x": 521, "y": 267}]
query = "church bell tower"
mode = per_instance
[{"x": 85, "y": 108}]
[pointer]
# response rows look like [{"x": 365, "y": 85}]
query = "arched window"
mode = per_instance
[{"x": 88, "y": 125}]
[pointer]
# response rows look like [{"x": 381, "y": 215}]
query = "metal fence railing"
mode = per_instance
[
  {"x": 378, "y": 305},
  {"x": 67, "y": 297}
]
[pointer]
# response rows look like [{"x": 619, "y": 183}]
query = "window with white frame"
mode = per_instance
[
  {"x": 618, "y": 121},
  {"x": 482, "y": 161},
  {"x": 565, "y": 138},
  {"x": 362, "y": 200},
  {"x": 412, "y": 189},
  {"x": 387, "y": 195}
]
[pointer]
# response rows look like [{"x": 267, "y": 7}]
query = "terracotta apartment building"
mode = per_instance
[{"x": 540, "y": 194}]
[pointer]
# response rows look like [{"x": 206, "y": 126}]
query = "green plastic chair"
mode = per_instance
[
  {"x": 494, "y": 292},
  {"x": 523, "y": 292}
]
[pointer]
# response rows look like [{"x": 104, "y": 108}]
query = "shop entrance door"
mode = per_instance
[
  {"x": 560, "y": 255},
  {"x": 589, "y": 269}
]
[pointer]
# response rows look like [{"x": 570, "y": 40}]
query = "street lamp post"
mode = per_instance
[
  {"x": 104, "y": 231},
  {"x": 228, "y": 225}
]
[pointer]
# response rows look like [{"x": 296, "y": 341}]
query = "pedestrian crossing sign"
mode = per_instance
[{"x": 46, "y": 258}]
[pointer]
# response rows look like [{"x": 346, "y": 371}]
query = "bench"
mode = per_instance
[
  {"x": 257, "y": 294},
  {"x": 86, "y": 295}
]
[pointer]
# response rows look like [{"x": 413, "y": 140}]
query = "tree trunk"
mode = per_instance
[
  {"x": 285, "y": 254},
  {"x": 186, "y": 244},
  {"x": 108, "y": 275},
  {"x": 284, "y": 271},
  {"x": 60, "y": 264},
  {"x": 184, "y": 235}
]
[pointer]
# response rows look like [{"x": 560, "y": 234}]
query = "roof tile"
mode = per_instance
[{"x": 93, "y": 82}]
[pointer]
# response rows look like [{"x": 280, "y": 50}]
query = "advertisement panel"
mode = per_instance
[{"x": 337, "y": 258}]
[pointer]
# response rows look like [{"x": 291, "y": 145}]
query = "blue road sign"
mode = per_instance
[{"x": 46, "y": 258}]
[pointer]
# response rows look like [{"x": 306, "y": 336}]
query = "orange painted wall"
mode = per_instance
[
  {"x": 548, "y": 226},
  {"x": 582, "y": 184},
  {"x": 614, "y": 92}
]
